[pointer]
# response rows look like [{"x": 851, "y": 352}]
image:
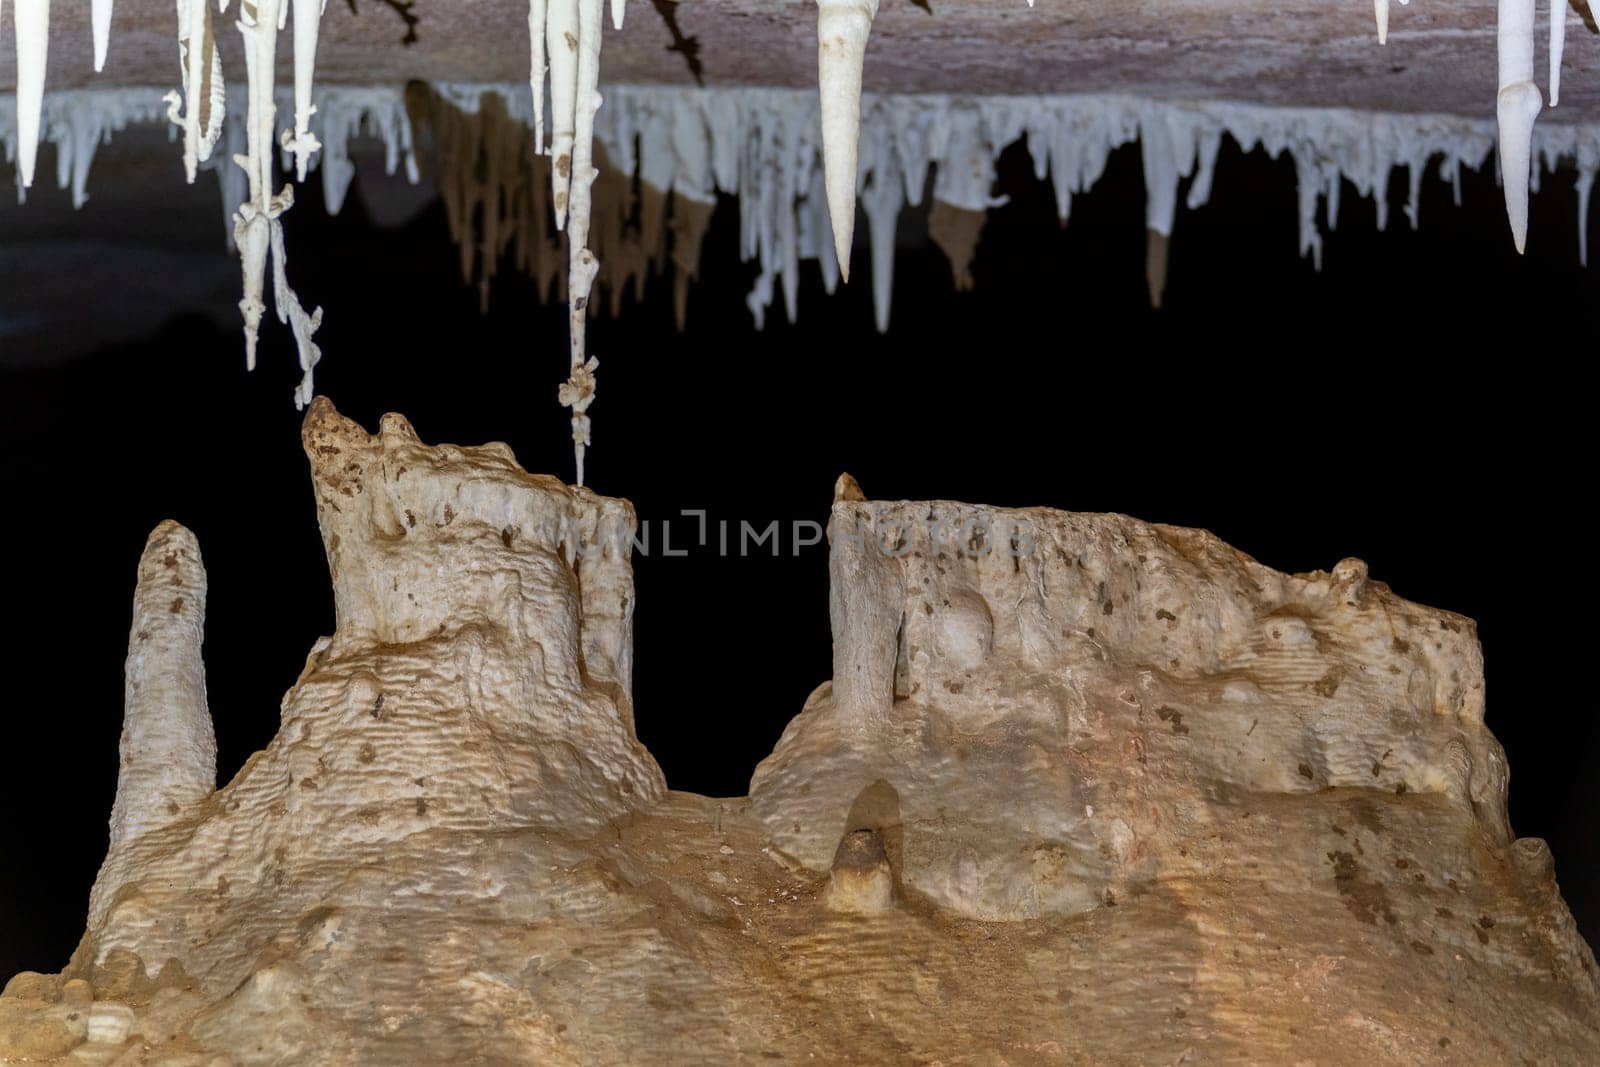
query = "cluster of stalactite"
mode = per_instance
[
  {"x": 498, "y": 203},
  {"x": 497, "y": 197}
]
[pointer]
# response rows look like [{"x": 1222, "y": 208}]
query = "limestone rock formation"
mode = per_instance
[{"x": 1082, "y": 789}]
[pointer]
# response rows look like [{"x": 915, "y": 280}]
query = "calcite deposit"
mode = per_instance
[{"x": 1082, "y": 789}]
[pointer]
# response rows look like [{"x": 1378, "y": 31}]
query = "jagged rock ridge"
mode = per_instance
[{"x": 1082, "y": 789}]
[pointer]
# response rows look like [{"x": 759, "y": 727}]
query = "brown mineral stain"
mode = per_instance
[
  {"x": 1367, "y": 816},
  {"x": 1365, "y": 899}
]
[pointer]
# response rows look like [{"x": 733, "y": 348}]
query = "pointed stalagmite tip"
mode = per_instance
[
  {"x": 842, "y": 28},
  {"x": 846, "y": 488},
  {"x": 861, "y": 881}
]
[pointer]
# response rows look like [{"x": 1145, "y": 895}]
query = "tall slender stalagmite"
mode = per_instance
[
  {"x": 842, "y": 28},
  {"x": 168, "y": 750},
  {"x": 32, "y": 29}
]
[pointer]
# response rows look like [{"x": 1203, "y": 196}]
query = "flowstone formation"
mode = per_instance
[{"x": 1082, "y": 789}]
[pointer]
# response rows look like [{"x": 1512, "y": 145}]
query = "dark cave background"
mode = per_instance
[{"x": 1413, "y": 404}]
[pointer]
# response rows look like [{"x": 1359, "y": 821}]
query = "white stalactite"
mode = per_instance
[
  {"x": 842, "y": 29},
  {"x": 290, "y": 312},
  {"x": 1380, "y": 9},
  {"x": 257, "y": 228},
  {"x": 579, "y": 390},
  {"x": 1558, "y": 42},
  {"x": 881, "y": 200},
  {"x": 101, "y": 17},
  {"x": 258, "y": 25},
  {"x": 564, "y": 38},
  {"x": 618, "y": 7},
  {"x": 302, "y": 143},
  {"x": 561, "y": 41},
  {"x": 761, "y": 146},
  {"x": 537, "y": 69},
  {"x": 252, "y": 236},
  {"x": 204, "y": 95},
  {"x": 78, "y": 122},
  {"x": 1516, "y": 109},
  {"x": 32, "y": 30},
  {"x": 1164, "y": 162}
]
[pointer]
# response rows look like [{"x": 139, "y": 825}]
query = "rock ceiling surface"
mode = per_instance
[{"x": 1440, "y": 57}]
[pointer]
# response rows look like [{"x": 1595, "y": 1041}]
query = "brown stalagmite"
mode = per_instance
[
  {"x": 168, "y": 749},
  {"x": 861, "y": 881}
]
